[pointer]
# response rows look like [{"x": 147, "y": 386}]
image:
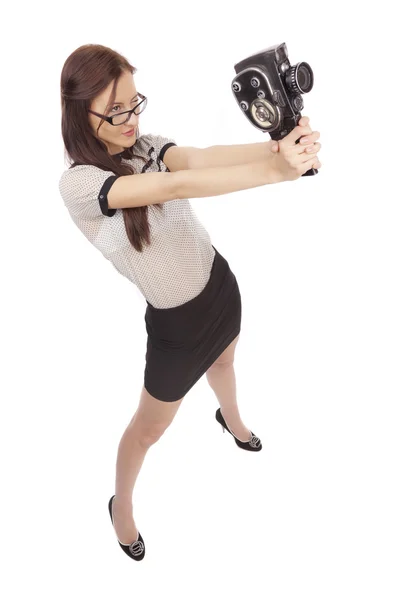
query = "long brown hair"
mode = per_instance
[{"x": 85, "y": 74}]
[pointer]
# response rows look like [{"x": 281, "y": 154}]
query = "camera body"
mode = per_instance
[{"x": 268, "y": 89}]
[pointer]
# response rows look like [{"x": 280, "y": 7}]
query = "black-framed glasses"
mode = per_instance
[{"x": 121, "y": 118}]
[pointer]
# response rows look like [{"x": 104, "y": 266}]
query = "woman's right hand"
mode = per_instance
[{"x": 289, "y": 160}]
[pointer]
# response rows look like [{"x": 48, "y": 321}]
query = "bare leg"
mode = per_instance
[
  {"x": 222, "y": 380},
  {"x": 149, "y": 422}
]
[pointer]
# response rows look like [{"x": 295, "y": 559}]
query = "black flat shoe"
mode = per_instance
[
  {"x": 253, "y": 444},
  {"x": 135, "y": 550}
]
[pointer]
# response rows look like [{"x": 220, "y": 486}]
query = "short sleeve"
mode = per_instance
[
  {"x": 158, "y": 145},
  {"x": 84, "y": 190}
]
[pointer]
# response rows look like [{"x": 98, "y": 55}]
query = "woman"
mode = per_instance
[{"x": 129, "y": 195}]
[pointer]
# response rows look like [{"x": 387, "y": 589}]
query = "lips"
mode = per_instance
[{"x": 131, "y": 132}]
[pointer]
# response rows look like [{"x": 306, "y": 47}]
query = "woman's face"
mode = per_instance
[{"x": 125, "y": 99}]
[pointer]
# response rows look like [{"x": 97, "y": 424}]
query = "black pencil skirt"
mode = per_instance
[{"x": 184, "y": 341}]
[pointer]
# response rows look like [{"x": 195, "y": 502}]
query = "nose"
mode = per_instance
[{"x": 132, "y": 121}]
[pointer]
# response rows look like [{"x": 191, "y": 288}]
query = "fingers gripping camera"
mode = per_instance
[{"x": 269, "y": 91}]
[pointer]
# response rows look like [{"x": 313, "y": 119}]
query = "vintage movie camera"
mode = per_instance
[{"x": 269, "y": 91}]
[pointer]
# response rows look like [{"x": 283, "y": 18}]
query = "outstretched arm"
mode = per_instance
[{"x": 226, "y": 156}]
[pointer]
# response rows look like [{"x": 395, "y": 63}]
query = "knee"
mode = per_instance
[
  {"x": 220, "y": 365},
  {"x": 148, "y": 434}
]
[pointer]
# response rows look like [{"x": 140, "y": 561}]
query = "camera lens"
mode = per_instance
[
  {"x": 300, "y": 78},
  {"x": 304, "y": 78}
]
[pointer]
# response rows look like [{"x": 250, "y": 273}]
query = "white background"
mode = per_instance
[{"x": 315, "y": 514}]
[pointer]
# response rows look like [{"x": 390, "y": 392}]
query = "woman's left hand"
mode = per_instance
[{"x": 312, "y": 136}]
